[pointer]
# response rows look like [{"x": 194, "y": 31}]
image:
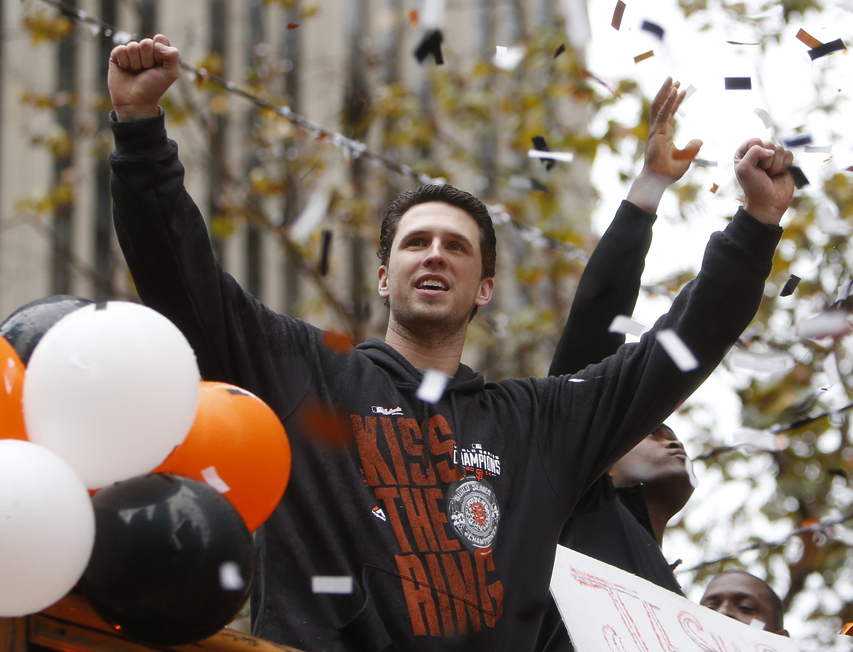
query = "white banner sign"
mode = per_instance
[{"x": 605, "y": 608}]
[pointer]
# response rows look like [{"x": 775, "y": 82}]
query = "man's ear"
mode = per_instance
[
  {"x": 484, "y": 294},
  {"x": 383, "y": 281}
]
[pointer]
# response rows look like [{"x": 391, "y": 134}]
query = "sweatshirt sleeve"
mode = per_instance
[
  {"x": 165, "y": 242},
  {"x": 608, "y": 287},
  {"x": 596, "y": 416}
]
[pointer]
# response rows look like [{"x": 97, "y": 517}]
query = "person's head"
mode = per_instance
[
  {"x": 659, "y": 462},
  {"x": 742, "y": 596},
  {"x": 446, "y": 194}
]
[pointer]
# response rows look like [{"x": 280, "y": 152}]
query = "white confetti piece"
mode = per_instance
[
  {"x": 842, "y": 534},
  {"x": 829, "y": 220},
  {"x": 230, "y": 578},
  {"x": 312, "y": 215},
  {"x": 757, "y": 624},
  {"x": 122, "y": 38},
  {"x": 691, "y": 474},
  {"x": 565, "y": 157},
  {"x": 433, "y": 14},
  {"x": 830, "y": 368},
  {"x": 577, "y": 380},
  {"x": 624, "y": 325},
  {"x": 212, "y": 478},
  {"x": 830, "y": 323},
  {"x": 765, "y": 118},
  {"x": 701, "y": 162},
  {"x": 341, "y": 584},
  {"x": 749, "y": 361},
  {"x": 432, "y": 386},
  {"x": 687, "y": 93},
  {"x": 818, "y": 149},
  {"x": 677, "y": 350},
  {"x": 508, "y": 58},
  {"x": 758, "y": 439},
  {"x": 95, "y": 29}
]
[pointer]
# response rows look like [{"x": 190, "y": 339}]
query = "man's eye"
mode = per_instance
[
  {"x": 454, "y": 246},
  {"x": 748, "y": 608},
  {"x": 417, "y": 242}
]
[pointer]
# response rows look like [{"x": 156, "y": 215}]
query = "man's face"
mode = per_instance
[
  {"x": 742, "y": 597},
  {"x": 434, "y": 271},
  {"x": 660, "y": 457}
]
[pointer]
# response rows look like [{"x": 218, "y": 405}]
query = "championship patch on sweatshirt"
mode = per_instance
[
  {"x": 477, "y": 461},
  {"x": 472, "y": 509}
]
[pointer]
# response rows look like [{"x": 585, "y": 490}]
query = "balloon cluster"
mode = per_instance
[{"x": 120, "y": 470}]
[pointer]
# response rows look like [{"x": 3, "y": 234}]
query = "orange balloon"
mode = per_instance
[
  {"x": 239, "y": 447},
  {"x": 11, "y": 391}
]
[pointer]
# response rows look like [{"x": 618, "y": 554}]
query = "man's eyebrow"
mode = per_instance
[{"x": 453, "y": 235}]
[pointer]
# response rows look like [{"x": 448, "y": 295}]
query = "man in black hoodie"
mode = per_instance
[{"x": 443, "y": 510}]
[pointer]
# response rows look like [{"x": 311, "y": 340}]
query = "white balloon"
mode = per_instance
[
  {"x": 112, "y": 389},
  {"x": 47, "y": 528}
]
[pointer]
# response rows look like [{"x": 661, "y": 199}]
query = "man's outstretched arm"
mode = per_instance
[{"x": 611, "y": 281}]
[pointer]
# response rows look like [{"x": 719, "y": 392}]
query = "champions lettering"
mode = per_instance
[
  {"x": 476, "y": 458},
  {"x": 448, "y": 590}
]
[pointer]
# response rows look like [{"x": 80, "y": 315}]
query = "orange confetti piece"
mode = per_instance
[
  {"x": 340, "y": 342},
  {"x": 292, "y": 25},
  {"x": 414, "y": 18},
  {"x": 847, "y": 630},
  {"x": 644, "y": 56},
  {"x": 715, "y": 188},
  {"x": 616, "y": 23},
  {"x": 808, "y": 39},
  {"x": 323, "y": 424},
  {"x": 686, "y": 154}
]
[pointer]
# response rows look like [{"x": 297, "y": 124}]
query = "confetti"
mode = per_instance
[
  {"x": 212, "y": 478},
  {"x": 618, "y": 12},
  {"x": 433, "y": 16},
  {"x": 560, "y": 50},
  {"x": 827, "y": 48},
  {"x": 741, "y": 43},
  {"x": 808, "y": 39},
  {"x": 230, "y": 578},
  {"x": 312, "y": 215},
  {"x": 847, "y": 630},
  {"x": 122, "y": 38},
  {"x": 430, "y": 44},
  {"x": 799, "y": 141},
  {"x": 292, "y": 25},
  {"x": 757, "y": 624},
  {"x": 564, "y": 157},
  {"x": 751, "y": 361},
  {"x": 323, "y": 424},
  {"x": 818, "y": 149},
  {"x": 432, "y": 386},
  {"x": 340, "y": 342},
  {"x": 624, "y": 325},
  {"x": 414, "y": 18},
  {"x": 540, "y": 144},
  {"x": 526, "y": 183},
  {"x": 757, "y": 439},
  {"x": 339, "y": 584},
  {"x": 830, "y": 368},
  {"x": 691, "y": 474},
  {"x": 677, "y": 350},
  {"x": 508, "y": 58},
  {"x": 828, "y": 218},
  {"x": 654, "y": 28},
  {"x": 738, "y": 83},
  {"x": 644, "y": 56},
  {"x": 714, "y": 188},
  {"x": 765, "y": 117},
  {"x": 800, "y": 178},
  {"x": 845, "y": 536},
  {"x": 830, "y": 323},
  {"x": 790, "y": 286},
  {"x": 325, "y": 249},
  {"x": 704, "y": 163}
]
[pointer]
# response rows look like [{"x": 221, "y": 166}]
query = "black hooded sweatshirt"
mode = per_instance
[{"x": 382, "y": 510}]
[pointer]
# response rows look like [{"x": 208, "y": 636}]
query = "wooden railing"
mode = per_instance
[{"x": 71, "y": 625}]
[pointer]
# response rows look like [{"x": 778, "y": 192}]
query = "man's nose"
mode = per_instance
[
  {"x": 435, "y": 255},
  {"x": 674, "y": 443}
]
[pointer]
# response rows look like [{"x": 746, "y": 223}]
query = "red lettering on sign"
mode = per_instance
[
  {"x": 371, "y": 459},
  {"x": 419, "y": 519},
  {"x": 409, "y": 431},
  {"x": 447, "y": 471}
]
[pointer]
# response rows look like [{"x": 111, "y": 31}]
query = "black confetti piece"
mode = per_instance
[
  {"x": 790, "y": 286},
  {"x": 800, "y": 178},
  {"x": 827, "y": 48},
  {"x": 325, "y": 250},
  {"x": 540, "y": 144},
  {"x": 431, "y": 44},
  {"x": 560, "y": 50},
  {"x": 655, "y": 29},
  {"x": 800, "y": 141},
  {"x": 738, "y": 83}
]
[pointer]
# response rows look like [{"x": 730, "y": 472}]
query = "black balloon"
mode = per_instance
[
  {"x": 25, "y": 327},
  {"x": 173, "y": 560}
]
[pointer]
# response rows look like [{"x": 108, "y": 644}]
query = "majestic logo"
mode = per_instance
[
  {"x": 388, "y": 412},
  {"x": 378, "y": 513},
  {"x": 477, "y": 461},
  {"x": 472, "y": 509}
]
